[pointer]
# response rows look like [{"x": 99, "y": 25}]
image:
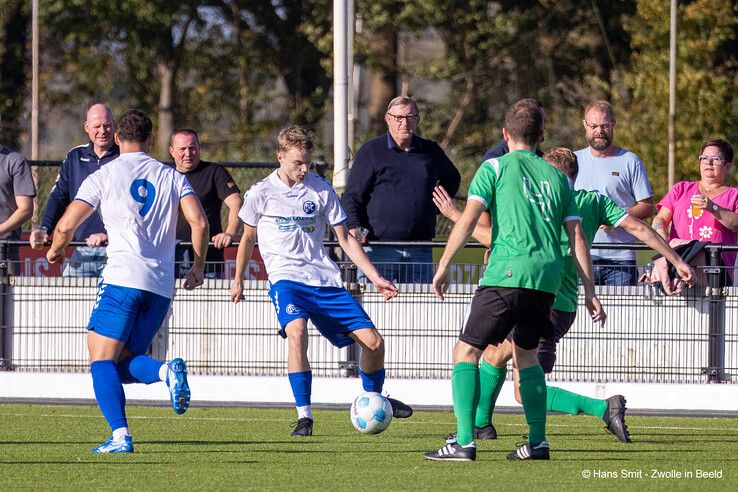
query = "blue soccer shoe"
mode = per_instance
[
  {"x": 123, "y": 446},
  {"x": 179, "y": 390}
]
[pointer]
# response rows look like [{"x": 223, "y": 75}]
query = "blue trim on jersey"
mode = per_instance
[
  {"x": 339, "y": 223},
  {"x": 128, "y": 315},
  {"x": 187, "y": 194},
  {"x": 84, "y": 201},
  {"x": 333, "y": 310}
]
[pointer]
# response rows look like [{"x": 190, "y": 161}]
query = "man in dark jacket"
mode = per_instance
[
  {"x": 389, "y": 195},
  {"x": 81, "y": 161}
]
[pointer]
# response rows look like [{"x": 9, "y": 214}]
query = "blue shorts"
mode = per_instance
[
  {"x": 128, "y": 315},
  {"x": 333, "y": 311}
]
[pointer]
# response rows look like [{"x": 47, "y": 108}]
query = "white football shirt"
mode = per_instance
[
  {"x": 138, "y": 199},
  {"x": 290, "y": 224}
]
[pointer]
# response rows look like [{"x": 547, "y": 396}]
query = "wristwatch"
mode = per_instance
[{"x": 715, "y": 207}]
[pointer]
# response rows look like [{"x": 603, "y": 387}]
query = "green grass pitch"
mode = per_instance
[{"x": 47, "y": 447}]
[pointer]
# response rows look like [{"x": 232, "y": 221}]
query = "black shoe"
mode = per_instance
[
  {"x": 530, "y": 452},
  {"x": 615, "y": 418},
  {"x": 486, "y": 432},
  {"x": 399, "y": 409},
  {"x": 453, "y": 452},
  {"x": 304, "y": 427}
]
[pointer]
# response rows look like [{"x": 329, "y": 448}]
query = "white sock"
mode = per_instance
[
  {"x": 120, "y": 433},
  {"x": 163, "y": 372},
  {"x": 303, "y": 412}
]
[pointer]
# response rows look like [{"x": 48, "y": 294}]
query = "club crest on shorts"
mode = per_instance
[
  {"x": 292, "y": 309},
  {"x": 308, "y": 207}
]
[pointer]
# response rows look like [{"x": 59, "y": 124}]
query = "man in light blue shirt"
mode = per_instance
[{"x": 620, "y": 175}]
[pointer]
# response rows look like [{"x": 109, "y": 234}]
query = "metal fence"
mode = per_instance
[{"x": 691, "y": 338}]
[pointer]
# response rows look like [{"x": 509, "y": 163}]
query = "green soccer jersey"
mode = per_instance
[
  {"x": 595, "y": 210},
  {"x": 528, "y": 201}
]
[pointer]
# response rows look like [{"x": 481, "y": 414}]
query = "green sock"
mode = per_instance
[
  {"x": 465, "y": 390},
  {"x": 560, "y": 400},
  {"x": 533, "y": 394},
  {"x": 491, "y": 379}
]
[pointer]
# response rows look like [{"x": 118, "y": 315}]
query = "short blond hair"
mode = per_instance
[
  {"x": 600, "y": 105},
  {"x": 564, "y": 160},
  {"x": 295, "y": 136},
  {"x": 401, "y": 101}
]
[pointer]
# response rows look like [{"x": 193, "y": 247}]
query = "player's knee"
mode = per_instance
[{"x": 375, "y": 343}]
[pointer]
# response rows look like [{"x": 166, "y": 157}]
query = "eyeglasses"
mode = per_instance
[
  {"x": 706, "y": 159},
  {"x": 410, "y": 118},
  {"x": 605, "y": 126}
]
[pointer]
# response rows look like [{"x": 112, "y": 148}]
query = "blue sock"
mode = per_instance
[
  {"x": 302, "y": 383},
  {"x": 372, "y": 381},
  {"x": 109, "y": 393},
  {"x": 139, "y": 369}
]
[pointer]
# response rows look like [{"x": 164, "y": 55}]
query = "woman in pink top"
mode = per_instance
[{"x": 706, "y": 209}]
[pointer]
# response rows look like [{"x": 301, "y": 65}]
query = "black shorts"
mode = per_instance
[{"x": 495, "y": 311}]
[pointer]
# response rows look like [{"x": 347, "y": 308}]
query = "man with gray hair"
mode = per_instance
[
  {"x": 389, "y": 195},
  {"x": 621, "y": 176},
  {"x": 80, "y": 162}
]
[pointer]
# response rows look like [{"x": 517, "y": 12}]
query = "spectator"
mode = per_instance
[
  {"x": 704, "y": 210},
  {"x": 620, "y": 175},
  {"x": 81, "y": 161},
  {"x": 214, "y": 187},
  {"x": 390, "y": 194},
  {"x": 16, "y": 200}
]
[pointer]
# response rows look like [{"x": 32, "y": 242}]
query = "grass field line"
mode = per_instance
[{"x": 406, "y": 422}]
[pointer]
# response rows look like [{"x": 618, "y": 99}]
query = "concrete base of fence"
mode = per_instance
[{"x": 59, "y": 387}]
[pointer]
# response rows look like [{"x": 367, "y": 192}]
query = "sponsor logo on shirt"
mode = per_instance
[
  {"x": 307, "y": 224},
  {"x": 615, "y": 173}
]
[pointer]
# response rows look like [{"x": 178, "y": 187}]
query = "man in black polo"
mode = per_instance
[
  {"x": 214, "y": 187},
  {"x": 389, "y": 195}
]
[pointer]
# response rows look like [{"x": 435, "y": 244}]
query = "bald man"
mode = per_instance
[{"x": 81, "y": 161}]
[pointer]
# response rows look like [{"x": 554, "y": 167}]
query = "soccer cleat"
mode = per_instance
[
  {"x": 615, "y": 418},
  {"x": 304, "y": 427},
  {"x": 179, "y": 390},
  {"x": 399, "y": 409},
  {"x": 529, "y": 451},
  {"x": 454, "y": 452},
  {"x": 486, "y": 432},
  {"x": 125, "y": 445}
]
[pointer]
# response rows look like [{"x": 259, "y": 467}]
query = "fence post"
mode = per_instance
[
  {"x": 351, "y": 364},
  {"x": 716, "y": 318},
  {"x": 5, "y": 336}
]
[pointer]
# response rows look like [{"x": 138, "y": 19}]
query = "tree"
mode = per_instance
[
  {"x": 14, "y": 27},
  {"x": 707, "y": 101}
]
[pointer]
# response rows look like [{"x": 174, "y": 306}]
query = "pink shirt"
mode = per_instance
[{"x": 706, "y": 227}]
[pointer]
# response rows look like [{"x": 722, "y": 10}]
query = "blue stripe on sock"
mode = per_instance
[
  {"x": 372, "y": 381},
  {"x": 302, "y": 383},
  {"x": 109, "y": 393}
]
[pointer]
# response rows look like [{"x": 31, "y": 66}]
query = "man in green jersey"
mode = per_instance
[
  {"x": 529, "y": 202},
  {"x": 596, "y": 210}
]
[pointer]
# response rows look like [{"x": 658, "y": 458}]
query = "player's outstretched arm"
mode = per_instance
[
  {"x": 195, "y": 217},
  {"x": 583, "y": 262},
  {"x": 245, "y": 250},
  {"x": 456, "y": 240},
  {"x": 76, "y": 213},
  {"x": 356, "y": 253},
  {"x": 483, "y": 230},
  {"x": 653, "y": 240}
]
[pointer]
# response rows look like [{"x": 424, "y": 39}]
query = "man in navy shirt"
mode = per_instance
[
  {"x": 389, "y": 195},
  {"x": 81, "y": 161}
]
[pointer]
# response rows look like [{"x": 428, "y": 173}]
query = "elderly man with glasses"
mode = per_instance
[
  {"x": 621, "y": 176},
  {"x": 389, "y": 196}
]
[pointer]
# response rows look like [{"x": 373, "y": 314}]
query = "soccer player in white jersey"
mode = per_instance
[
  {"x": 289, "y": 211},
  {"x": 138, "y": 199}
]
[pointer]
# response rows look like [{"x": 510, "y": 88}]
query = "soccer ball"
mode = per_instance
[{"x": 371, "y": 413}]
